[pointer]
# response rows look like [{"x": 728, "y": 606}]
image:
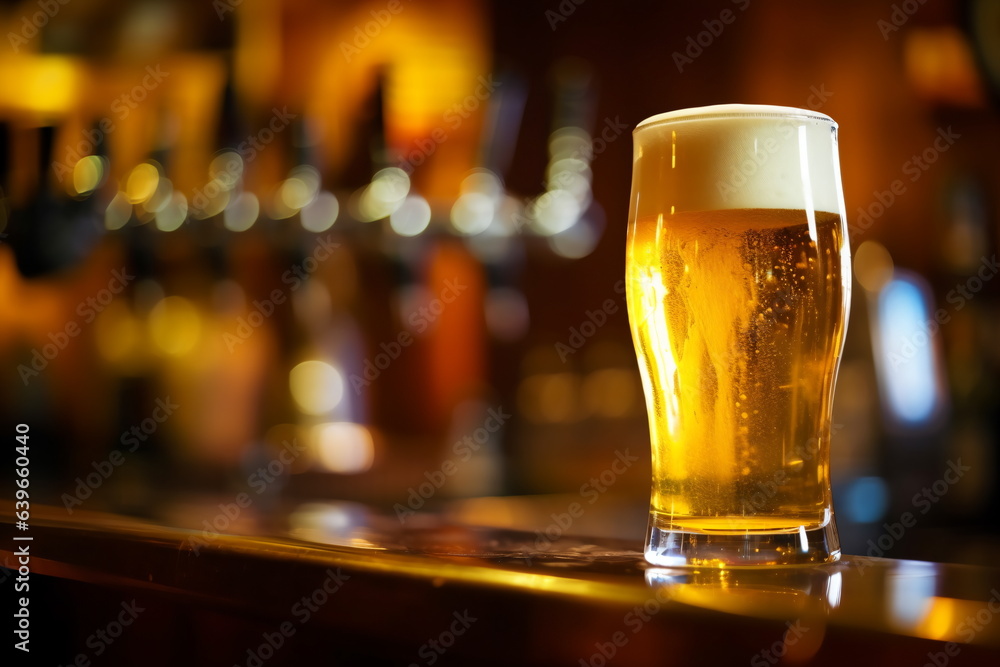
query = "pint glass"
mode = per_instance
[{"x": 738, "y": 283}]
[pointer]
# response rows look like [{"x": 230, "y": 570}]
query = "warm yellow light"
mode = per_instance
[
  {"x": 610, "y": 392},
  {"x": 873, "y": 266},
  {"x": 117, "y": 333},
  {"x": 384, "y": 195},
  {"x": 175, "y": 325},
  {"x": 316, "y": 386},
  {"x": 88, "y": 173},
  {"x": 941, "y": 619},
  {"x": 294, "y": 193},
  {"x": 411, "y": 217},
  {"x": 173, "y": 215},
  {"x": 240, "y": 215},
  {"x": 118, "y": 213},
  {"x": 161, "y": 197},
  {"x": 570, "y": 142},
  {"x": 320, "y": 215},
  {"x": 555, "y": 211},
  {"x": 41, "y": 84},
  {"x": 344, "y": 447},
  {"x": 472, "y": 213},
  {"x": 550, "y": 397},
  {"x": 213, "y": 199},
  {"x": 300, "y": 188},
  {"x": 142, "y": 183},
  {"x": 226, "y": 169}
]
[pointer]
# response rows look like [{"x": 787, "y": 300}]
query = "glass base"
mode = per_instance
[{"x": 674, "y": 548}]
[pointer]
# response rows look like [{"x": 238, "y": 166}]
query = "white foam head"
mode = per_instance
[{"x": 734, "y": 156}]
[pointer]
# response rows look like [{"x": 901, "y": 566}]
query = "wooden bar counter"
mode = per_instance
[{"x": 343, "y": 585}]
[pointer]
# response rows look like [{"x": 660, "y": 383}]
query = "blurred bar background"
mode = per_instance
[{"x": 344, "y": 255}]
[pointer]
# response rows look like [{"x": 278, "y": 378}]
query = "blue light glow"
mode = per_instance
[
  {"x": 904, "y": 349},
  {"x": 865, "y": 500}
]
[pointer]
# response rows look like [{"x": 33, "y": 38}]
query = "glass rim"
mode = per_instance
[{"x": 722, "y": 111}]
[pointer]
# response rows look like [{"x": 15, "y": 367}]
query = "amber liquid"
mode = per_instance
[{"x": 738, "y": 317}]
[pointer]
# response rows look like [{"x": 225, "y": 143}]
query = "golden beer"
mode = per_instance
[{"x": 737, "y": 298}]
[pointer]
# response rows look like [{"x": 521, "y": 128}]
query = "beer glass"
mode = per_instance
[{"x": 738, "y": 283}]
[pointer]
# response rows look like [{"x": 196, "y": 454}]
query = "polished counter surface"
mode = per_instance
[{"x": 339, "y": 584}]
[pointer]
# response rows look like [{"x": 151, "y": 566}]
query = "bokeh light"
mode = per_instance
[
  {"x": 316, "y": 386},
  {"x": 412, "y": 217},
  {"x": 344, "y": 447},
  {"x": 175, "y": 325}
]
